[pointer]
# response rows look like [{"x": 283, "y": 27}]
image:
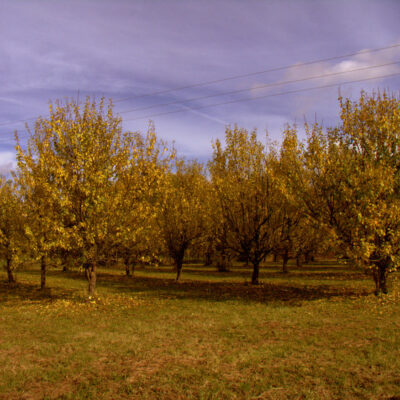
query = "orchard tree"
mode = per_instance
[
  {"x": 183, "y": 216},
  {"x": 248, "y": 195},
  {"x": 291, "y": 210},
  {"x": 139, "y": 185},
  {"x": 300, "y": 235},
  {"x": 313, "y": 238},
  {"x": 354, "y": 181},
  {"x": 69, "y": 170},
  {"x": 36, "y": 180},
  {"x": 215, "y": 248},
  {"x": 12, "y": 239},
  {"x": 222, "y": 252}
]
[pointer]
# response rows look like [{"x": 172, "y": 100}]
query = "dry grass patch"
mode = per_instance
[{"x": 150, "y": 338}]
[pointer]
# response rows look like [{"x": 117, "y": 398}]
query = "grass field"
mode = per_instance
[{"x": 315, "y": 333}]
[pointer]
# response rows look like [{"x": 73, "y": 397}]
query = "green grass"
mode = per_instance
[{"x": 315, "y": 333}]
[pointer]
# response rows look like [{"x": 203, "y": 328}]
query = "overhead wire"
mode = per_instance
[
  {"x": 233, "y": 77},
  {"x": 275, "y": 69},
  {"x": 257, "y": 87},
  {"x": 262, "y": 97},
  {"x": 295, "y": 91}
]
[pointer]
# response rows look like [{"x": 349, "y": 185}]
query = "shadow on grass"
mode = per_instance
[
  {"x": 309, "y": 272},
  {"x": 287, "y": 292},
  {"x": 274, "y": 272},
  {"x": 222, "y": 291},
  {"x": 31, "y": 292}
]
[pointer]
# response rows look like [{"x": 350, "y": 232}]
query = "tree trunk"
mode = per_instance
[
  {"x": 307, "y": 257},
  {"x": 91, "y": 275},
  {"x": 382, "y": 280},
  {"x": 298, "y": 260},
  {"x": 129, "y": 267},
  {"x": 10, "y": 273},
  {"x": 256, "y": 271},
  {"x": 208, "y": 258},
  {"x": 285, "y": 259},
  {"x": 275, "y": 259},
  {"x": 178, "y": 258},
  {"x": 178, "y": 265},
  {"x": 43, "y": 267},
  {"x": 86, "y": 269},
  {"x": 222, "y": 263},
  {"x": 380, "y": 275}
]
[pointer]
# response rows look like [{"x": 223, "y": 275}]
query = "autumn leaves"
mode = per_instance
[{"x": 86, "y": 189}]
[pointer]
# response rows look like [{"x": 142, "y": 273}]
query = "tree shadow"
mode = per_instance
[
  {"x": 276, "y": 273},
  {"x": 227, "y": 291},
  {"x": 32, "y": 292},
  {"x": 267, "y": 292},
  {"x": 312, "y": 272}
]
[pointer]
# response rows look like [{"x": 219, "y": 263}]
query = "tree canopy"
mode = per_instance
[{"x": 86, "y": 190}]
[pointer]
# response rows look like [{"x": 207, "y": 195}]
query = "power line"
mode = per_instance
[
  {"x": 255, "y": 98},
  {"x": 257, "y": 87},
  {"x": 3, "y": 140},
  {"x": 275, "y": 69},
  {"x": 210, "y": 82},
  {"x": 263, "y": 97}
]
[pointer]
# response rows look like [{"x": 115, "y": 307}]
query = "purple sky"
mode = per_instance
[{"x": 120, "y": 49}]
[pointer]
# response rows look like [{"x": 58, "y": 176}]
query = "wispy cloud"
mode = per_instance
[
  {"x": 363, "y": 65},
  {"x": 204, "y": 115},
  {"x": 121, "y": 48},
  {"x": 7, "y": 162}
]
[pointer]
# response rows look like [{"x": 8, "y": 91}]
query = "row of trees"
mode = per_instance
[{"x": 86, "y": 192}]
